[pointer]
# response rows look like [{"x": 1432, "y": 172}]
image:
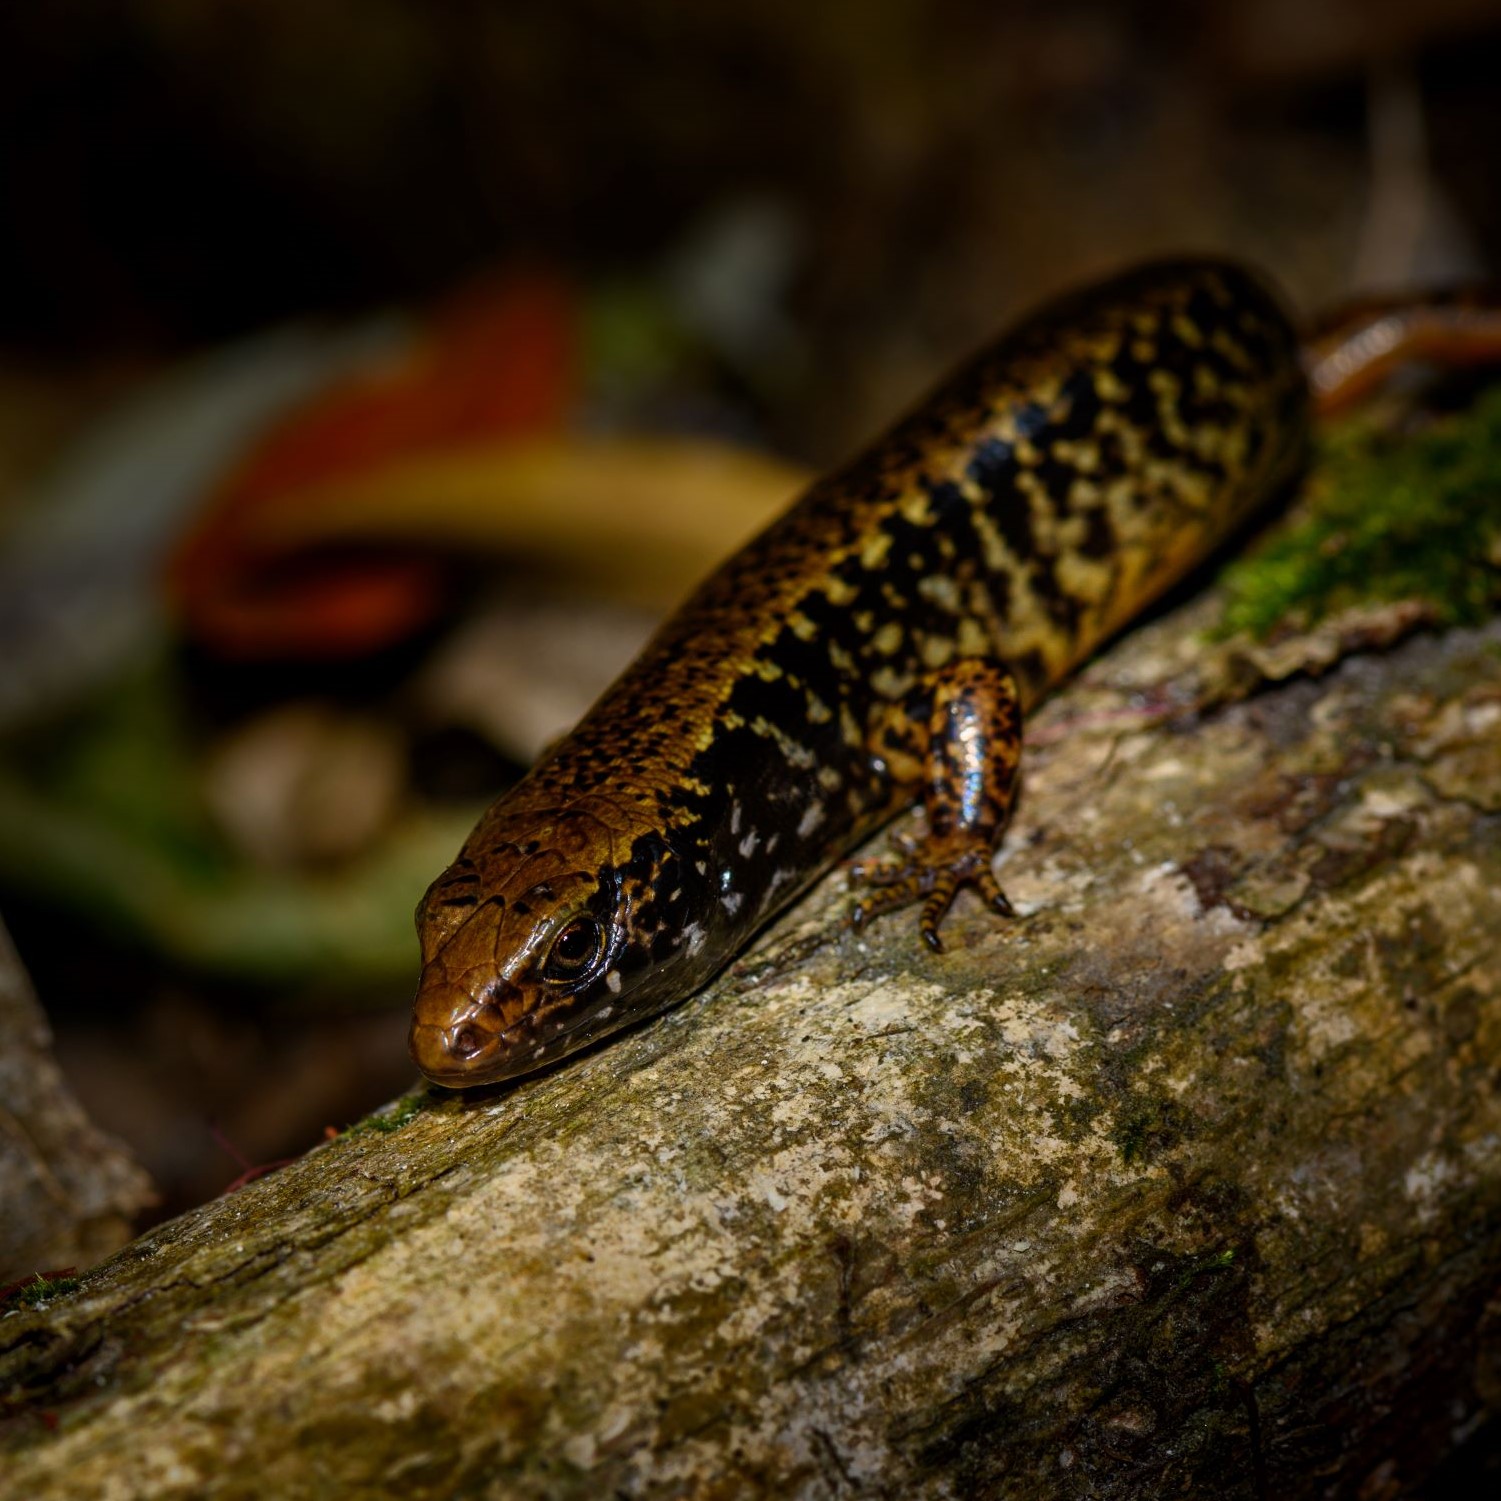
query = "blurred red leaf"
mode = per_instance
[{"x": 496, "y": 360}]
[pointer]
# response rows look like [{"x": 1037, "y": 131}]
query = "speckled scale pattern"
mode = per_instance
[{"x": 1047, "y": 492}]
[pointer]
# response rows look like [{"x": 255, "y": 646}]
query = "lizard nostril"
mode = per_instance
[{"x": 466, "y": 1042}]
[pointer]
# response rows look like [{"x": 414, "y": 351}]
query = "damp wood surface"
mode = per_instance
[{"x": 1187, "y": 1181}]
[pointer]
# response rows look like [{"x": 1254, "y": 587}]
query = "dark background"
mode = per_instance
[{"x": 179, "y": 171}]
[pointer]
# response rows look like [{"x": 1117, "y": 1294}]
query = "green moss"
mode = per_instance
[
  {"x": 1130, "y": 1137},
  {"x": 1148, "y": 1129},
  {"x": 406, "y": 1109},
  {"x": 1199, "y": 1266},
  {"x": 1387, "y": 519},
  {"x": 39, "y": 1289}
]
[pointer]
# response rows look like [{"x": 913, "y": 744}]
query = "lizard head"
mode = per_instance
[{"x": 551, "y": 929}]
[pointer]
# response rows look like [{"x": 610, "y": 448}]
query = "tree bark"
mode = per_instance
[
  {"x": 68, "y": 1191},
  {"x": 1188, "y": 1181}
]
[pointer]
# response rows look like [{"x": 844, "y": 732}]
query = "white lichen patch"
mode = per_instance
[
  {"x": 1425, "y": 1182},
  {"x": 1167, "y": 886},
  {"x": 1392, "y": 797},
  {"x": 1247, "y": 954}
]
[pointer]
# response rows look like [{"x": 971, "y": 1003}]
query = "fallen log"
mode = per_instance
[{"x": 1188, "y": 1181}]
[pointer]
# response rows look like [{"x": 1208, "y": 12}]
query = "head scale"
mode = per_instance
[{"x": 553, "y": 928}]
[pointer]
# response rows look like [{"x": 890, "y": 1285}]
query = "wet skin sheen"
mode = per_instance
[{"x": 875, "y": 646}]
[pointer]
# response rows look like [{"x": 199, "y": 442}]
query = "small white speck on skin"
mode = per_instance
[
  {"x": 734, "y": 818},
  {"x": 731, "y": 901},
  {"x": 701, "y": 867},
  {"x": 813, "y": 815},
  {"x": 771, "y": 843},
  {"x": 749, "y": 843},
  {"x": 797, "y": 754},
  {"x": 613, "y": 981}
]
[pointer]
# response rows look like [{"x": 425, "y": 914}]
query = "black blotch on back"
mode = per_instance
[
  {"x": 1080, "y": 407},
  {"x": 1099, "y": 535},
  {"x": 992, "y": 466},
  {"x": 807, "y": 662},
  {"x": 777, "y": 700}
]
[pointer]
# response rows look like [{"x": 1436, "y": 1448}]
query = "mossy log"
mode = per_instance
[{"x": 1187, "y": 1181}]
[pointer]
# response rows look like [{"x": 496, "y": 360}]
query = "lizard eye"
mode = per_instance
[{"x": 575, "y": 951}]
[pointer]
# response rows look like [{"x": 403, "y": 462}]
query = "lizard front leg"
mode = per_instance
[{"x": 966, "y": 764}]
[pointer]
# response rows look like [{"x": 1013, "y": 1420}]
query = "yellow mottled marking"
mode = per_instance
[
  {"x": 890, "y": 683},
  {"x": 873, "y": 553},
  {"x": 1109, "y": 386},
  {"x": 937, "y": 650},
  {"x": 1187, "y": 330},
  {"x": 941, "y": 589}
]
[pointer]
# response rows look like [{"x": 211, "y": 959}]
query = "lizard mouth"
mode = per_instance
[{"x": 463, "y": 1053}]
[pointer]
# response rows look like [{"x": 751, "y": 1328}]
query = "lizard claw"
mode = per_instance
[{"x": 931, "y": 872}]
